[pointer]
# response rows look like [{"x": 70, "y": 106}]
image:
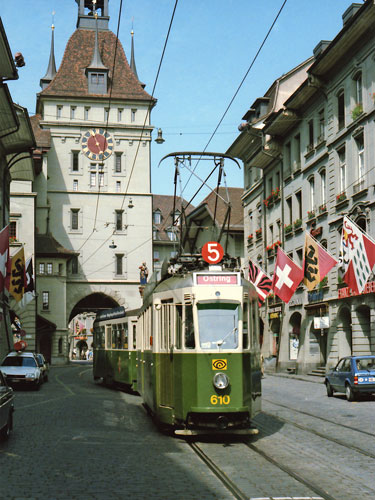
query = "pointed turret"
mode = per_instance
[
  {"x": 51, "y": 70},
  {"x": 132, "y": 60}
]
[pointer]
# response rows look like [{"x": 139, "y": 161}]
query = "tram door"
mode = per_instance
[{"x": 166, "y": 356}]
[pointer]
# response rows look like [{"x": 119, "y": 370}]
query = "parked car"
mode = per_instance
[
  {"x": 6, "y": 408},
  {"x": 353, "y": 375},
  {"x": 22, "y": 368},
  {"x": 43, "y": 365}
]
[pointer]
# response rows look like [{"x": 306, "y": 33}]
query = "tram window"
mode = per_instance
[
  {"x": 254, "y": 326},
  {"x": 134, "y": 336},
  {"x": 178, "y": 326},
  {"x": 108, "y": 337},
  {"x": 218, "y": 325},
  {"x": 166, "y": 332},
  {"x": 189, "y": 328},
  {"x": 101, "y": 340},
  {"x": 124, "y": 336},
  {"x": 245, "y": 330}
]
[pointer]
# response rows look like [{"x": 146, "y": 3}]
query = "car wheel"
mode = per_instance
[
  {"x": 350, "y": 395},
  {"x": 5, "y": 431},
  {"x": 329, "y": 389}
]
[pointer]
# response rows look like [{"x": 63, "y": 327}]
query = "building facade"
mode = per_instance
[
  {"x": 93, "y": 203},
  {"x": 316, "y": 155},
  {"x": 16, "y": 165}
]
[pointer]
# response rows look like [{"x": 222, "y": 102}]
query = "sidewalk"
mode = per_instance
[{"x": 305, "y": 377}]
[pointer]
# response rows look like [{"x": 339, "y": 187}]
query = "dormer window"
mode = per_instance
[
  {"x": 157, "y": 217},
  {"x": 97, "y": 82}
]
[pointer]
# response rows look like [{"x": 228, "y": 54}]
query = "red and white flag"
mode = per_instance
[
  {"x": 358, "y": 254},
  {"x": 286, "y": 277},
  {"x": 4, "y": 255},
  {"x": 261, "y": 281}
]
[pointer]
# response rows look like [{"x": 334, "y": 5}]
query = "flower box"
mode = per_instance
[
  {"x": 323, "y": 208},
  {"x": 258, "y": 233},
  {"x": 310, "y": 214},
  {"x": 341, "y": 197},
  {"x": 288, "y": 228},
  {"x": 357, "y": 111},
  {"x": 297, "y": 223},
  {"x": 272, "y": 198}
]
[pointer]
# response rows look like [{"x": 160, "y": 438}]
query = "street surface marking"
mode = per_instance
[{"x": 64, "y": 385}]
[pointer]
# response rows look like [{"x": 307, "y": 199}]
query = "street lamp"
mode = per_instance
[{"x": 159, "y": 139}]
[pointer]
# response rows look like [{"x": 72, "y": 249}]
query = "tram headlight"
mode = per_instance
[{"x": 221, "y": 381}]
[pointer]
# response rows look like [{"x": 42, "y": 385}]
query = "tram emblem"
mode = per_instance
[{"x": 219, "y": 364}]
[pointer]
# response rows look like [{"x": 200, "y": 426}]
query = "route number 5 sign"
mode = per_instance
[{"x": 212, "y": 252}]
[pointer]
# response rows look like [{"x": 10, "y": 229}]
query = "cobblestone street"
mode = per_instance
[{"x": 75, "y": 439}]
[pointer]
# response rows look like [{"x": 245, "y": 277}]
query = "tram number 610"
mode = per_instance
[{"x": 221, "y": 400}]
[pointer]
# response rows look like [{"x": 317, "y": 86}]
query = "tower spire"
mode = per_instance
[
  {"x": 132, "y": 60},
  {"x": 51, "y": 70},
  {"x": 96, "y": 62}
]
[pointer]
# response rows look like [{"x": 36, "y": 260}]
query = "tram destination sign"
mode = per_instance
[{"x": 217, "y": 279}]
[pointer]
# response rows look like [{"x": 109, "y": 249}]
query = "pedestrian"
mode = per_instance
[
  {"x": 143, "y": 274},
  {"x": 262, "y": 364}
]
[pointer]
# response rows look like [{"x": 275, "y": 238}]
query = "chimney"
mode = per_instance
[{"x": 350, "y": 11}]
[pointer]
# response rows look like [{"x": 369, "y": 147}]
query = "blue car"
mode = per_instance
[{"x": 353, "y": 375}]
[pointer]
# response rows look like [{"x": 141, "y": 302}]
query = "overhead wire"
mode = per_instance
[
  {"x": 145, "y": 120},
  {"x": 236, "y": 92},
  {"x": 106, "y": 126}
]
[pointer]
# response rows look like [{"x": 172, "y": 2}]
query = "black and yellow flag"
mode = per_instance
[{"x": 17, "y": 276}]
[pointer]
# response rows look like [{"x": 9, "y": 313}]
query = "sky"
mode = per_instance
[{"x": 211, "y": 46}]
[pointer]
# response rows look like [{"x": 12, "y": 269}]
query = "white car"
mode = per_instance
[
  {"x": 6, "y": 408},
  {"x": 22, "y": 368}
]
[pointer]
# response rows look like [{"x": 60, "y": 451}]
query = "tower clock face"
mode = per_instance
[{"x": 97, "y": 144}]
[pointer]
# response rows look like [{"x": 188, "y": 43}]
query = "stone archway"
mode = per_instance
[
  {"x": 92, "y": 303},
  {"x": 361, "y": 330},
  {"x": 294, "y": 335},
  {"x": 344, "y": 332}
]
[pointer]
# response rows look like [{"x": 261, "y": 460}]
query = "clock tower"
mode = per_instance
[{"x": 94, "y": 188}]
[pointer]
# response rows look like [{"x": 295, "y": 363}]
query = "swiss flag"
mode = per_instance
[
  {"x": 286, "y": 277},
  {"x": 4, "y": 254}
]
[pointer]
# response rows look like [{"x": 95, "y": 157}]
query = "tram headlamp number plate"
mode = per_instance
[{"x": 220, "y": 400}]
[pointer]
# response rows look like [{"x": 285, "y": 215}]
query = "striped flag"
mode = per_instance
[
  {"x": 4, "y": 255},
  {"x": 358, "y": 255},
  {"x": 317, "y": 262},
  {"x": 261, "y": 281}
]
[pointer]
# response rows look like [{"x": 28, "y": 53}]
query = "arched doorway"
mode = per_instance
[
  {"x": 344, "y": 332},
  {"x": 294, "y": 333},
  {"x": 361, "y": 329}
]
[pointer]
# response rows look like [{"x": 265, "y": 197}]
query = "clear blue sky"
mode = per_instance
[{"x": 210, "y": 48}]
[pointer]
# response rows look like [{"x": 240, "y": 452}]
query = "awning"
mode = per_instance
[
  {"x": 9, "y": 122},
  {"x": 8, "y": 69},
  {"x": 21, "y": 167},
  {"x": 21, "y": 139}
]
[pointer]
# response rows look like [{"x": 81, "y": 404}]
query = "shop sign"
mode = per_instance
[
  {"x": 276, "y": 309},
  {"x": 343, "y": 293},
  {"x": 321, "y": 322},
  {"x": 274, "y": 315}
]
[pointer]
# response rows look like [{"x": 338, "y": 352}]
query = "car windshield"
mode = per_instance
[
  {"x": 365, "y": 364},
  {"x": 18, "y": 361},
  {"x": 218, "y": 325}
]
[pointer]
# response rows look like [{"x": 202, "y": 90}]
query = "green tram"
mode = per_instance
[
  {"x": 198, "y": 356},
  {"x": 115, "y": 347}
]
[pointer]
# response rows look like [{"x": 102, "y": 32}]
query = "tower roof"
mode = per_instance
[
  {"x": 70, "y": 80},
  {"x": 51, "y": 70}
]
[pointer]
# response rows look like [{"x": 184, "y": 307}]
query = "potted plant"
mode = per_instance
[
  {"x": 288, "y": 228},
  {"x": 297, "y": 223},
  {"x": 310, "y": 214},
  {"x": 323, "y": 208},
  {"x": 258, "y": 233},
  {"x": 341, "y": 197},
  {"x": 357, "y": 111}
]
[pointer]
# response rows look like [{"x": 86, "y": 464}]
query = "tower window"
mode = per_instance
[
  {"x": 118, "y": 163},
  {"x": 119, "y": 264},
  {"x": 118, "y": 186},
  {"x": 75, "y": 164},
  {"x": 75, "y": 185},
  {"x": 74, "y": 218},
  {"x": 72, "y": 112},
  {"x": 119, "y": 114},
  {"x": 119, "y": 221},
  {"x": 86, "y": 113},
  {"x": 58, "y": 112},
  {"x": 133, "y": 112}
]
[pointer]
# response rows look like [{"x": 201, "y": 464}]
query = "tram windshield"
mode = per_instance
[{"x": 218, "y": 325}]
